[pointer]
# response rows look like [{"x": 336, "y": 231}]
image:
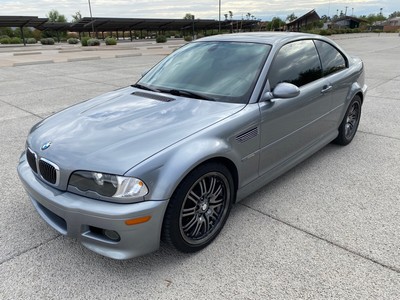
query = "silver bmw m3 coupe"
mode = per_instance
[{"x": 166, "y": 158}]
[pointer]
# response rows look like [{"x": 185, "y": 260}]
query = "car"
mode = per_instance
[{"x": 166, "y": 158}]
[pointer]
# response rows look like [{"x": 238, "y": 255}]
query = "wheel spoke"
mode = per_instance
[
  {"x": 203, "y": 187},
  {"x": 212, "y": 185},
  {"x": 197, "y": 230},
  {"x": 193, "y": 197},
  {"x": 190, "y": 224},
  {"x": 188, "y": 211}
]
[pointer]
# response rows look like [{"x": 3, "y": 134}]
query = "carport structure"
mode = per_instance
[
  {"x": 102, "y": 25},
  {"x": 21, "y": 22}
]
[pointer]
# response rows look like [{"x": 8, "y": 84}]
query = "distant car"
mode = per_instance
[{"x": 210, "y": 124}]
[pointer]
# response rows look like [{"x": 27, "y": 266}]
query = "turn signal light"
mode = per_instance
[{"x": 136, "y": 221}]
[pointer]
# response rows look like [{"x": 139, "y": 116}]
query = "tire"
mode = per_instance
[
  {"x": 349, "y": 125},
  {"x": 199, "y": 208}
]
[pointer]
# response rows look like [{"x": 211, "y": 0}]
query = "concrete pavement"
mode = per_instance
[{"x": 329, "y": 228}]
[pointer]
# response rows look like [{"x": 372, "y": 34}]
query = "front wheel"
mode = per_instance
[
  {"x": 199, "y": 208},
  {"x": 349, "y": 125}
]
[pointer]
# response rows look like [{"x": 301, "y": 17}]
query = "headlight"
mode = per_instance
[{"x": 120, "y": 188}]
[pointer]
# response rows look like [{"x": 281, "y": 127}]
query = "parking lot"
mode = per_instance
[{"x": 329, "y": 228}]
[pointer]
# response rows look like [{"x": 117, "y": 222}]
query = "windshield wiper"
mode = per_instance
[
  {"x": 187, "y": 94},
  {"x": 144, "y": 87}
]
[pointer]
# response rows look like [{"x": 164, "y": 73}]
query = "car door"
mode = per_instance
[
  {"x": 334, "y": 68},
  {"x": 290, "y": 126}
]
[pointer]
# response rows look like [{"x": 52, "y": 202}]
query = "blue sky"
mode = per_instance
[{"x": 204, "y": 9}]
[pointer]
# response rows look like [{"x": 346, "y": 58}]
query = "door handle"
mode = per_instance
[{"x": 326, "y": 88}]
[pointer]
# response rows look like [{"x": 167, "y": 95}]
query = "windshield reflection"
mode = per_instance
[{"x": 221, "y": 71}]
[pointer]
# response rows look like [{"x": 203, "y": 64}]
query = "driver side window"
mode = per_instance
[{"x": 297, "y": 63}]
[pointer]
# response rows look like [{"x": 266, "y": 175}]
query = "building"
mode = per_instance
[{"x": 306, "y": 21}]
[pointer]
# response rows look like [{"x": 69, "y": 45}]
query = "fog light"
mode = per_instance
[{"x": 112, "y": 235}]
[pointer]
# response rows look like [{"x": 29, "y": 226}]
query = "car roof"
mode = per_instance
[{"x": 271, "y": 38}]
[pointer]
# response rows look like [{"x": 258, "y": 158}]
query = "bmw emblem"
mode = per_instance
[{"x": 45, "y": 146}]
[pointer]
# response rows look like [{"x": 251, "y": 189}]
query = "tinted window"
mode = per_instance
[
  {"x": 297, "y": 63},
  {"x": 332, "y": 60}
]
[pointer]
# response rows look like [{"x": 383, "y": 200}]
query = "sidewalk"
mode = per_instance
[{"x": 19, "y": 55}]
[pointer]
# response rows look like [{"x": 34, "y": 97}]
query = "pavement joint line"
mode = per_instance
[
  {"x": 20, "y": 108},
  {"x": 29, "y": 249},
  {"x": 380, "y": 135},
  {"x": 392, "y": 268}
]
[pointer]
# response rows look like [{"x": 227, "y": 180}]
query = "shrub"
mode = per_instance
[
  {"x": 31, "y": 41},
  {"x": 324, "y": 32},
  {"x": 93, "y": 42},
  {"x": 188, "y": 38},
  {"x": 84, "y": 41},
  {"x": 15, "y": 40},
  {"x": 73, "y": 41},
  {"x": 47, "y": 41},
  {"x": 111, "y": 41},
  {"x": 5, "y": 40},
  {"x": 161, "y": 39}
]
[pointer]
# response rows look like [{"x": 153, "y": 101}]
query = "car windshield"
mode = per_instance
[{"x": 220, "y": 71}]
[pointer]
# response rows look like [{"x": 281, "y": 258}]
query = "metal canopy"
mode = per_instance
[
  {"x": 126, "y": 24},
  {"x": 21, "y": 21},
  {"x": 122, "y": 24}
]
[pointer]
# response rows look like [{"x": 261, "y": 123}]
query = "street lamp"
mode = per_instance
[
  {"x": 219, "y": 18},
  {"x": 91, "y": 17}
]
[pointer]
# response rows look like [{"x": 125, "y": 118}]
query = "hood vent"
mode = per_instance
[
  {"x": 244, "y": 137},
  {"x": 153, "y": 96}
]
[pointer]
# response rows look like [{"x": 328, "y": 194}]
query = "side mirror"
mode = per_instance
[{"x": 283, "y": 90}]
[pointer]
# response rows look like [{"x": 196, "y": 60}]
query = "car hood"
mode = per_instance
[{"x": 116, "y": 131}]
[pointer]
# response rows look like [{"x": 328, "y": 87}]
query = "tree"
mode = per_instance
[
  {"x": 276, "y": 23},
  {"x": 188, "y": 16},
  {"x": 372, "y": 18},
  {"x": 54, "y": 16},
  {"x": 291, "y": 17},
  {"x": 76, "y": 17},
  {"x": 394, "y": 14},
  {"x": 226, "y": 17},
  {"x": 230, "y": 14}
]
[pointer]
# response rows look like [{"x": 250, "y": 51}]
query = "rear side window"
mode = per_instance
[
  {"x": 332, "y": 60},
  {"x": 297, "y": 63}
]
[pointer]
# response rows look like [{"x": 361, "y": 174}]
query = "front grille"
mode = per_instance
[
  {"x": 31, "y": 158},
  {"x": 47, "y": 170}
]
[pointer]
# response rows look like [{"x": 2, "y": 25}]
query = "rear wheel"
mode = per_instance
[
  {"x": 349, "y": 125},
  {"x": 199, "y": 208}
]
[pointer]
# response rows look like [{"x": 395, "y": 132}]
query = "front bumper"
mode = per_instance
[{"x": 86, "y": 219}]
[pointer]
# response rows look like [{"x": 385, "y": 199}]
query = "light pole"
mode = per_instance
[
  {"x": 91, "y": 17},
  {"x": 219, "y": 17}
]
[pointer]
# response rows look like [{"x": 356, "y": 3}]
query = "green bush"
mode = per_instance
[
  {"x": 5, "y": 40},
  {"x": 15, "y": 40},
  {"x": 324, "y": 32},
  {"x": 188, "y": 38},
  {"x": 84, "y": 41},
  {"x": 73, "y": 41},
  {"x": 161, "y": 39},
  {"x": 47, "y": 41},
  {"x": 111, "y": 41},
  {"x": 93, "y": 42},
  {"x": 30, "y": 41}
]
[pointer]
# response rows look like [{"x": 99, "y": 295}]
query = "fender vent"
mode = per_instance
[
  {"x": 153, "y": 96},
  {"x": 244, "y": 137}
]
